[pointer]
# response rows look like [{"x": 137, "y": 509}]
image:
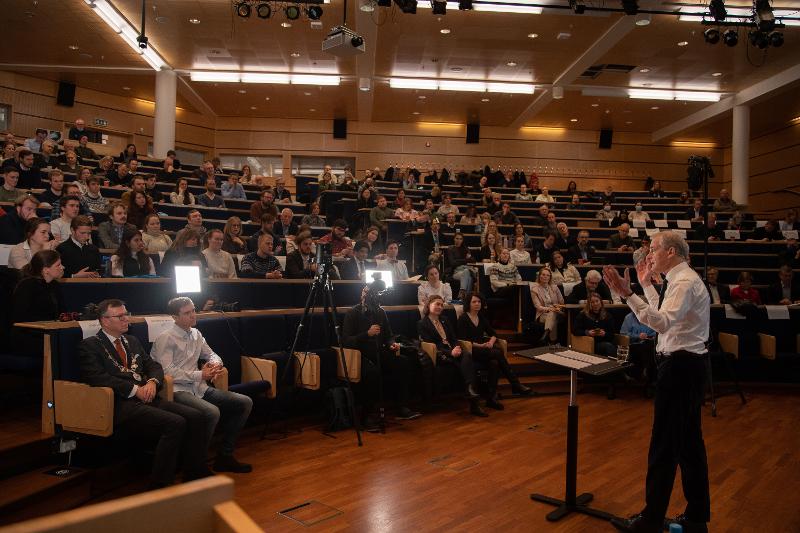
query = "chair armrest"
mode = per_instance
[
  {"x": 256, "y": 369},
  {"x": 230, "y": 518},
  {"x": 729, "y": 343},
  {"x": 465, "y": 346},
  {"x": 221, "y": 383},
  {"x": 167, "y": 391},
  {"x": 353, "y": 359},
  {"x": 307, "y": 370},
  {"x": 84, "y": 409},
  {"x": 622, "y": 340},
  {"x": 582, "y": 343},
  {"x": 768, "y": 345},
  {"x": 430, "y": 350}
]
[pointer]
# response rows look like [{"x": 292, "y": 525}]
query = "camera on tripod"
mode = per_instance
[
  {"x": 375, "y": 290},
  {"x": 324, "y": 254},
  {"x": 698, "y": 172}
]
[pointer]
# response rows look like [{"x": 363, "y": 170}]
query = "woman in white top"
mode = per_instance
[
  {"x": 561, "y": 271},
  {"x": 220, "y": 262},
  {"x": 155, "y": 240},
  {"x": 549, "y": 304},
  {"x": 519, "y": 255},
  {"x": 544, "y": 197},
  {"x": 181, "y": 194},
  {"x": 432, "y": 286},
  {"x": 638, "y": 214},
  {"x": 37, "y": 237},
  {"x": 130, "y": 260},
  {"x": 407, "y": 213}
]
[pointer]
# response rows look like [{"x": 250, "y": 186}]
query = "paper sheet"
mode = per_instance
[
  {"x": 156, "y": 325},
  {"x": 732, "y": 234},
  {"x": 661, "y": 223},
  {"x": 634, "y": 233},
  {"x": 731, "y": 313},
  {"x": 5, "y": 249},
  {"x": 89, "y": 328},
  {"x": 790, "y": 234},
  {"x": 685, "y": 224},
  {"x": 777, "y": 312}
]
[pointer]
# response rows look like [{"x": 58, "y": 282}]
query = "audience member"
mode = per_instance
[
  {"x": 433, "y": 286},
  {"x": 37, "y": 297},
  {"x": 697, "y": 212},
  {"x": 105, "y": 168},
  {"x": 523, "y": 194},
  {"x": 725, "y": 202},
  {"x": 121, "y": 177},
  {"x": 709, "y": 229},
  {"x": 519, "y": 255},
  {"x": 356, "y": 267},
  {"x": 61, "y": 227},
  {"x": 563, "y": 238},
  {"x": 83, "y": 150},
  {"x": 544, "y": 197},
  {"x": 561, "y": 271},
  {"x": 506, "y": 215},
  {"x": 621, "y": 241},
  {"x": 247, "y": 174},
  {"x": 372, "y": 236},
  {"x": 233, "y": 189},
  {"x": 470, "y": 217},
  {"x": 447, "y": 206},
  {"x": 379, "y": 213},
  {"x": 503, "y": 275},
  {"x": 720, "y": 293},
  {"x": 185, "y": 251},
  {"x": 282, "y": 194},
  {"x": 313, "y": 218},
  {"x": 263, "y": 206},
  {"x": 785, "y": 291},
  {"x": 490, "y": 251},
  {"x": 575, "y": 203},
  {"x": 130, "y": 259},
  {"x": 12, "y": 224},
  {"x": 744, "y": 291},
  {"x": 262, "y": 263},
  {"x": 639, "y": 214},
  {"x": 592, "y": 282},
  {"x": 790, "y": 255},
  {"x": 37, "y": 237},
  {"x": 406, "y": 213},
  {"x": 767, "y": 232},
  {"x": 641, "y": 252},
  {"x": 35, "y": 144},
  {"x": 194, "y": 221},
  {"x": 233, "y": 242},
  {"x": 789, "y": 222},
  {"x": 155, "y": 239},
  {"x": 71, "y": 164},
  {"x": 78, "y": 130},
  {"x": 186, "y": 356},
  {"x": 391, "y": 263},
  {"x": 594, "y": 321},
  {"x": 341, "y": 245},
  {"x": 267, "y": 226},
  {"x": 210, "y": 197},
  {"x": 606, "y": 214},
  {"x": 284, "y": 227},
  {"x": 128, "y": 154},
  {"x": 135, "y": 379},
  {"x": 140, "y": 206},
  {"x": 549, "y": 304},
  {"x": 656, "y": 191},
  {"x": 9, "y": 191},
  {"x": 94, "y": 198},
  {"x": 301, "y": 264},
  {"x": 181, "y": 194},
  {"x": 544, "y": 251},
  {"x": 168, "y": 174},
  {"x": 53, "y": 193},
  {"x": 220, "y": 263},
  {"x": 582, "y": 252}
]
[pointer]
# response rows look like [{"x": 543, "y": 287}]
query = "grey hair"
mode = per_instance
[
  {"x": 593, "y": 274},
  {"x": 671, "y": 239}
]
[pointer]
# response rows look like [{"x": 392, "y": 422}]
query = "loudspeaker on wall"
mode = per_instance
[
  {"x": 473, "y": 133},
  {"x": 340, "y": 128},
  {"x": 605, "y": 138},
  {"x": 66, "y": 94}
]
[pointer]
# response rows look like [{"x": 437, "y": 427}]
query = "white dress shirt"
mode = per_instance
[
  {"x": 682, "y": 322},
  {"x": 178, "y": 351},
  {"x": 425, "y": 291},
  {"x": 396, "y": 266}
]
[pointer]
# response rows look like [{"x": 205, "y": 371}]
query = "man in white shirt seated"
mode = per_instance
[
  {"x": 35, "y": 144},
  {"x": 180, "y": 350},
  {"x": 396, "y": 266},
  {"x": 545, "y": 197},
  {"x": 60, "y": 227}
]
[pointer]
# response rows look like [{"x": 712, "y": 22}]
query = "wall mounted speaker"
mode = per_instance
[
  {"x": 473, "y": 133},
  {"x": 66, "y": 94},
  {"x": 605, "y": 139},
  {"x": 340, "y": 128}
]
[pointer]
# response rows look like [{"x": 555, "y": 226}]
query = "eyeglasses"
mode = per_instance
[{"x": 120, "y": 317}]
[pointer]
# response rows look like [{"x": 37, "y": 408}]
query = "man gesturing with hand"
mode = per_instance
[{"x": 680, "y": 316}]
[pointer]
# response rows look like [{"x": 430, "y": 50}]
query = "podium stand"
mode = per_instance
[{"x": 595, "y": 366}]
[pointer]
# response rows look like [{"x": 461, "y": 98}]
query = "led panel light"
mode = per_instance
[
  {"x": 413, "y": 83},
  {"x": 505, "y": 8},
  {"x": 697, "y": 96},
  {"x": 466, "y": 86},
  {"x": 651, "y": 94},
  {"x": 512, "y": 88},
  {"x": 263, "y": 77},
  {"x": 315, "y": 79},
  {"x": 224, "y": 77}
]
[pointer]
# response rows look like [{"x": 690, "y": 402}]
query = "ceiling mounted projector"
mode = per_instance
[{"x": 343, "y": 42}]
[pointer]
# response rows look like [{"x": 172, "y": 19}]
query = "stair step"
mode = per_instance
[{"x": 39, "y": 492}]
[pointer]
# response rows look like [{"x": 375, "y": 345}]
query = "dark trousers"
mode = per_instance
[
  {"x": 496, "y": 364},
  {"x": 463, "y": 363},
  {"x": 394, "y": 368},
  {"x": 178, "y": 428},
  {"x": 677, "y": 438}
]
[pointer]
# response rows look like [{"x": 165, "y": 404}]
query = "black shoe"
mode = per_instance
[
  {"x": 227, "y": 463},
  {"x": 521, "y": 390},
  {"x": 407, "y": 414},
  {"x": 689, "y": 526},
  {"x": 492, "y": 403},
  {"x": 472, "y": 394},
  {"x": 636, "y": 524},
  {"x": 475, "y": 409}
]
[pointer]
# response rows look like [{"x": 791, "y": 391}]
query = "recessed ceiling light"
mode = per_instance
[
  {"x": 295, "y": 54},
  {"x": 415, "y": 113},
  {"x": 126, "y": 88},
  {"x": 266, "y": 99},
  {"x": 716, "y": 74},
  {"x": 456, "y": 69},
  {"x": 422, "y": 97},
  {"x": 253, "y": 107},
  {"x": 573, "y": 120},
  {"x": 74, "y": 47},
  {"x": 628, "y": 122},
  {"x": 444, "y": 31},
  {"x": 312, "y": 109},
  {"x": 307, "y": 93},
  {"x": 533, "y": 35},
  {"x": 511, "y": 64},
  {"x": 683, "y": 43},
  {"x": 595, "y": 105},
  {"x": 484, "y": 99},
  {"x": 242, "y": 91},
  {"x": 654, "y": 108},
  {"x": 194, "y": 21},
  {"x": 286, "y": 24},
  {"x": 644, "y": 70}
]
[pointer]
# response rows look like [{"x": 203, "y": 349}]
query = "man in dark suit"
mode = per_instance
[
  {"x": 786, "y": 290},
  {"x": 621, "y": 241},
  {"x": 696, "y": 212},
  {"x": 300, "y": 263},
  {"x": 81, "y": 258},
  {"x": 593, "y": 282},
  {"x": 12, "y": 225},
  {"x": 118, "y": 361},
  {"x": 356, "y": 267},
  {"x": 582, "y": 252},
  {"x": 720, "y": 293}
]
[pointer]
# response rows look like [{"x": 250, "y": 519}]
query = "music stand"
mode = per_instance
[{"x": 592, "y": 365}]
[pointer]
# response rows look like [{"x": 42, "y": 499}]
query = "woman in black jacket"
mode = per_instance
[
  {"x": 436, "y": 329},
  {"x": 37, "y": 297},
  {"x": 472, "y": 326},
  {"x": 595, "y": 321}
]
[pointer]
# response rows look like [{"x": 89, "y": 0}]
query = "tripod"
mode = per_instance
[{"x": 323, "y": 287}]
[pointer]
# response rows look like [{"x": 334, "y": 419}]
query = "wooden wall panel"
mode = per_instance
[{"x": 775, "y": 165}]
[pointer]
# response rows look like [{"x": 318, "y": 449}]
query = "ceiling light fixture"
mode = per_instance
[
  {"x": 367, "y": 6},
  {"x": 129, "y": 34},
  {"x": 595, "y": 105},
  {"x": 642, "y": 19},
  {"x": 644, "y": 70},
  {"x": 445, "y": 31},
  {"x": 263, "y": 77},
  {"x": 243, "y": 10},
  {"x": 194, "y": 21},
  {"x": 511, "y": 64},
  {"x": 716, "y": 74},
  {"x": 533, "y": 35},
  {"x": 286, "y": 24},
  {"x": 573, "y": 120},
  {"x": 314, "y": 12},
  {"x": 292, "y": 12},
  {"x": 295, "y": 54},
  {"x": 461, "y": 85},
  {"x": 439, "y": 7},
  {"x": 683, "y": 43},
  {"x": 465, "y": 5},
  {"x": 663, "y": 94},
  {"x": 484, "y": 100}
]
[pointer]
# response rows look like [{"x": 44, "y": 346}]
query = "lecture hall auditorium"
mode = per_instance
[{"x": 195, "y": 198}]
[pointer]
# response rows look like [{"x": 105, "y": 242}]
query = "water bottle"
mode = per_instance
[{"x": 675, "y": 528}]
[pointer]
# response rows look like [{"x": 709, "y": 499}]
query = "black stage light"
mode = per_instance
[
  {"x": 314, "y": 12},
  {"x": 438, "y": 8},
  {"x": 631, "y": 7},
  {"x": 759, "y": 39},
  {"x": 776, "y": 39},
  {"x": 711, "y": 35},
  {"x": 263, "y": 11},
  {"x": 577, "y": 6},
  {"x": 465, "y": 5},
  {"x": 243, "y": 9},
  {"x": 407, "y": 6},
  {"x": 292, "y": 12},
  {"x": 717, "y": 10},
  {"x": 730, "y": 37}
]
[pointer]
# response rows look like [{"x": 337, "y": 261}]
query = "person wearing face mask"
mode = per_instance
[
  {"x": 606, "y": 214},
  {"x": 639, "y": 213}
]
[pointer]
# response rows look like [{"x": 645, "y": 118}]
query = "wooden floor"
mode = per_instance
[{"x": 488, "y": 467}]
